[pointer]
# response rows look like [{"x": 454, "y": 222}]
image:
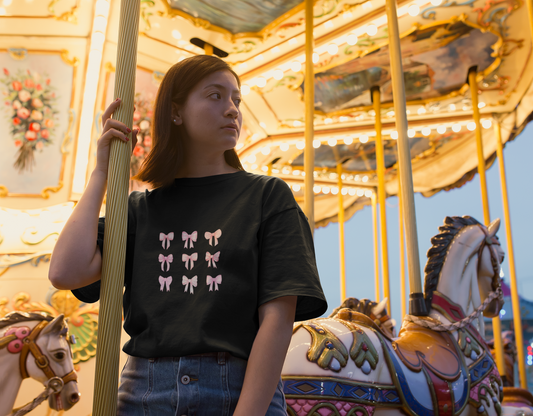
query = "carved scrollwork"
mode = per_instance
[
  {"x": 33, "y": 232},
  {"x": 326, "y": 349}
]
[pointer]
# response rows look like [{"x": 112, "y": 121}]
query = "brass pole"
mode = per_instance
[
  {"x": 208, "y": 49},
  {"x": 309, "y": 95},
  {"x": 269, "y": 172},
  {"x": 403, "y": 286},
  {"x": 341, "y": 233},
  {"x": 417, "y": 304},
  {"x": 376, "y": 243},
  {"x": 496, "y": 324},
  {"x": 110, "y": 320},
  {"x": 530, "y": 15},
  {"x": 519, "y": 336},
  {"x": 380, "y": 167}
]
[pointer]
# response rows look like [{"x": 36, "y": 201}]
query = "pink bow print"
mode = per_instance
[
  {"x": 216, "y": 280},
  {"x": 209, "y": 236},
  {"x": 189, "y": 239},
  {"x": 193, "y": 281},
  {"x": 212, "y": 258},
  {"x": 166, "y": 237},
  {"x": 193, "y": 257},
  {"x": 165, "y": 281},
  {"x": 166, "y": 260}
]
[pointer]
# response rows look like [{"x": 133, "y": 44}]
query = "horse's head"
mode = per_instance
[{"x": 56, "y": 368}]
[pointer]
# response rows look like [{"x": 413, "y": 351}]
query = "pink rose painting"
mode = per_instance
[{"x": 31, "y": 109}]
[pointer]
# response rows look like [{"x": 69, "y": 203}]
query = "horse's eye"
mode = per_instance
[{"x": 59, "y": 356}]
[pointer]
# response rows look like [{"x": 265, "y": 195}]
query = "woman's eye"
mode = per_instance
[
  {"x": 217, "y": 95},
  {"x": 238, "y": 102}
]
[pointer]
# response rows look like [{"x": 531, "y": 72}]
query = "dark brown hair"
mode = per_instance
[{"x": 162, "y": 163}]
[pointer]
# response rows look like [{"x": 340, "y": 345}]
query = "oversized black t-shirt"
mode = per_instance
[{"x": 202, "y": 255}]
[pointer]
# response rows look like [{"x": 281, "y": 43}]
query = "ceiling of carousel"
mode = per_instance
[{"x": 264, "y": 42}]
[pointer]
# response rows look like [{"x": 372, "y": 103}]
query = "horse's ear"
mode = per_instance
[
  {"x": 494, "y": 227},
  {"x": 380, "y": 307},
  {"x": 56, "y": 325}
]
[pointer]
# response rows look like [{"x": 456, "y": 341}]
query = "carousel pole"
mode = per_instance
[
  {"x": 417, "y": 305},
  {"x": 530, "y": 15},
  {"x": 380, "y": 167},
  {"x": 309, "y": 96},
  {"x": 376, "y": 243},
  {"x": 496, "y": 324},
  {"x": 110, "y": 320},
  {"x": 341, "y": 233},
  {"x": 403, "y": 286},
  {"x": 519, "y": 336}
]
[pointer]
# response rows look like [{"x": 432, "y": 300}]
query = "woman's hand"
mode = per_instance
[{"x": 112, "y": 129}]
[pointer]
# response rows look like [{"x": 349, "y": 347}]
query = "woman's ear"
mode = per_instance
[{"x": 175, "y": 115}]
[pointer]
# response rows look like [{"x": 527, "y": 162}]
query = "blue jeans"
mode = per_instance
[{"x": 194, "y": 386}]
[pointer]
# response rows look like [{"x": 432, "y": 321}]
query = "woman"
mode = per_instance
[{"x": 219, "y": 262}]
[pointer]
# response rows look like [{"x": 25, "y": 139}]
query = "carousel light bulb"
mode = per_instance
[
  {"x": 296, "y": 172},
  {"x": 265, "y": 150},
  {"x": 7, "y": 3},
  {"x": 2, "y": 11},
  {"x": 342, "y": 119},
  {"x": 456, "y": 128},
  {"x": 254, "y": 166},
  {"x": 426, "y": 131},
  {"x": 332, "y": 49},
  {"x": 411, "y": 133},
  {"x": 367, "y": 5},
  {"x": 296, "y": 123},
  {"x": 328, "y": 121},
  {"x": 296, "y": 66},
  {"x": 471, "y": 125},
  {"x": 275, "y": 50},
  {"x": 332, "y": 141},
  {"x": 436, "y": 2},
  {"x": 97, "y": 41},
  {"x": 251, "y": 159},
  {"x": 394, "y": 135},
  {"x": 278, "y": 74},
  {"x": 325, "y": 190},
  {"x": 260, "y": 82},
  {"x": 264, "y": 168},
  {"x": 368, "y": 193},
  {"x": 347, "y": 15},
  {"x": 99, "y": 24},
  {"x": 413, "y": 10},
  {"x": 284, "y": 147},
  {"x": 176, "y": 34},
  {"x": 243, "y": 66},
  {"x": 371, "y": 30},
  {"x": 239, "y": 146},
  {"x": 296, "y": 187},
  {"x": 255, "y": 136},
  {"x": 441, "y": 129},
  {"x": 365, "y": 178},
  {"x": 363, "y": 138},
  {"x": 263, "y": 125},
  {"x": 452, "y": 107},
  {"x": 360, "y": 192},
  {"x": 328, "y": 24},
  {"x": 351, "y": 40},
  {"x": 348, "y": 140},
  {"x": 487, "y": 124},
  {"x": 101, "y": 8},
  {"x": 300, "y": 145},
  {"x": 421, "y": 110},
  {"x": 259, "y": 57},
  {"x": 481, "y": 104},
  {"x": 245, "y": 89},
  {"x": 344, "y": 191},
  {"x": 293, "y": 41},
  {"x": 316, "y": 58},
  {"x": 316, "y": 189},
  {"x": 316, "y": 144},
  {"x": 245, "y": 166},
  {"x": 351, "y": 191}
]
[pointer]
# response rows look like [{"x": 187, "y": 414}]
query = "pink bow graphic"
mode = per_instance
[
  {"x": 216, "y": 280},
  {"x": 209, "y": 236},
  {"x": 212, "y": 258},
  {"x": 189, "y": 238},
  {"x": 193, "y": 281},
  {"x": 168, "y": 259},
  {"x": 165, "y": 281},
  {"x": 166, "y": 237},
  {"x": 193, "y": 257}
]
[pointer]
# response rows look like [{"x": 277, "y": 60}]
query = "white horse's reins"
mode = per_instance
[
  {"x": 496, "y": 292},
  {"x": 54, "y": 385}
]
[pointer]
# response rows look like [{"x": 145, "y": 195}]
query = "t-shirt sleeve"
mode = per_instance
[
  {"x": 287, "y": 265},
  {"x": 91, "y": 293}
]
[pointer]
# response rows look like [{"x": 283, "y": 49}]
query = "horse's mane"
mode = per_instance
[
  {"x": 363, "y": 306},
  {"x": 437, "y": 253},
  {"x": 16, "y": 317}
]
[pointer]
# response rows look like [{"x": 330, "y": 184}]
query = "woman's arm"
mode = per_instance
[{"x": 276, "y": 320}]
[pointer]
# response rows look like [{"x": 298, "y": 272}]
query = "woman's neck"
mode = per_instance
[{"x": 200, "y": 165}]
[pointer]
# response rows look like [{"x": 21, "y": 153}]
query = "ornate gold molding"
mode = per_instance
[
  {"x": 45, "y": 193},
  {"x": 70, "y": 16},
  {"x": 33, "y": 231},
  {"x": 69, "y": 61}
]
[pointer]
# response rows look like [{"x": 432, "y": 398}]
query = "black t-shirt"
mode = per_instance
[{"x": 202, "y": 255}]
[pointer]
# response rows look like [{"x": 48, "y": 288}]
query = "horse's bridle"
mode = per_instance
[
  {"x": 490, "y": 242},
  {"x": 29, "y": 346}
]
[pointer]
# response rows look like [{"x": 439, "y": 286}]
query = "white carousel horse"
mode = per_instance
[
  {"x": 36, "y": 345},
  {"x": 439, "y": 366}
]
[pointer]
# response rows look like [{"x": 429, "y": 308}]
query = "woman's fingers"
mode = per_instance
[
  {"x": 117, "y": 125},
  {"x": 109, "y": 111},
  {"x": 109, "y": 134}
]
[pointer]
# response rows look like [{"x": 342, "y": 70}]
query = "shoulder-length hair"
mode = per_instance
[{"x": 162, "y": 162}]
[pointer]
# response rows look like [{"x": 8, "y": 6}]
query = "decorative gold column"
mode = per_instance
[
  {"x": 309, "y": 97},
  {"x": 110, "y": 321},
  {"x": 208, "y": 49},
  {"x": 374, "y": 200},
  {"x": 380, "y": 167},
  {"x": 341, "y": 233},
  {"x": 403, "y": 283},
  {"x": 416, "y": 297},
  {"x": 496, "y": 324},
  {"x": 519, "y": 336},
  {"x": 530, "y": 15}
]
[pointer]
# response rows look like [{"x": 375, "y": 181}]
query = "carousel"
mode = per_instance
[{"x": 349, "y": 102}]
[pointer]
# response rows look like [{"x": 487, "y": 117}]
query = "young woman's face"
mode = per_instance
[{"x": 211, "y": 115}]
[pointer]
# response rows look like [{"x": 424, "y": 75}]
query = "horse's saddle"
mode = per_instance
[{"x": 418, "y": 346}]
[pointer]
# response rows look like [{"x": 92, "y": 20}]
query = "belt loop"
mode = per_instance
[{"x": 222, "y": 358}]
